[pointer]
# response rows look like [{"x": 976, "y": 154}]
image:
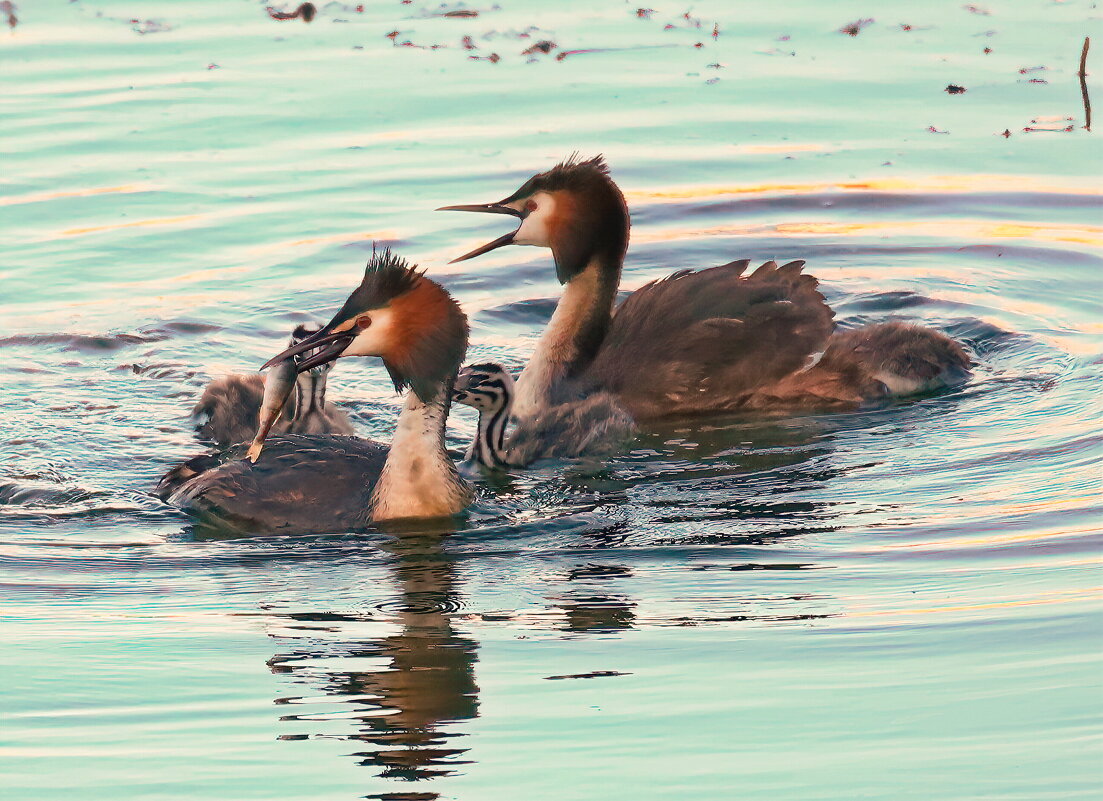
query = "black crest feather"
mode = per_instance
[{"x": 386, "y": 277}]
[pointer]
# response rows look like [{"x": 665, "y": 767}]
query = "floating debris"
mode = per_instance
[
  {"x": 1028, "y": 70},
  {"x": 932, "y": 129},
  {"x": 305, "y": 12},
  {"x": 1082, "y": 74},
  {"x": 467, "y": 43},
  {"x": 954, "y": 89},
  {"x": 644, "y": 13},
  {"x": 493, "y": 58},
  {"x": 1050, "y": 125},
  {"x": 984, "y": 12},
  {"x": 544, "y": 46},
  {"x": 1006, "y": 133},
  {"x": 987, "y": 50},
  {"x": 854, "y": 28},
  {"x": 716, "y": 30},
  {"x": 7, "y": 8},
  {"x": 463, "y": 13},
  {"x": 144, "y": 26},
  {"x": 597, "y": 674}
]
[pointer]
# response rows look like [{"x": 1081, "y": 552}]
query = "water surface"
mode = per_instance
[{"x": 899, "y": 603}]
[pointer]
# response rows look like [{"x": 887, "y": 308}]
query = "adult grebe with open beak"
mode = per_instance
[
  {"x": 693, "y": 343},
  {"x": 312, "y": 483}
]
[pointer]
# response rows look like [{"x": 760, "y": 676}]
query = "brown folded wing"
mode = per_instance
[{"x": 707, "y": 341}]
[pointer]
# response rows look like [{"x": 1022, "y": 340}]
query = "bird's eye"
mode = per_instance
[
  {"x": 530, "y": 206},
  {"x": 363, "y": 322}
]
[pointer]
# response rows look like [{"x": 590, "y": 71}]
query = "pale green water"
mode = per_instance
[{"x": 897, "y": 604}]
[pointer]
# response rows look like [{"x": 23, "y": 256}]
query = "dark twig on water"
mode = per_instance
[
  {"x": 1084, "y": 84},
  {"x": 305, "y": 12}
]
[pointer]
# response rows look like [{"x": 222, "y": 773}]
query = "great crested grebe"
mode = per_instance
[
  {"x": 322, "y": 482},
  {"x": 693, "y": 343},
  {"x": 228, "y": 410},
  {"x": 592, "y": 424}
]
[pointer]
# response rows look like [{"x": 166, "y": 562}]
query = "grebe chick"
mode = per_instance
[
  {"x": 592, "y": 424},
  {"x": 229, "y": 408},
  {"x": 693, "y": 343},
  {"x": 323, "y": 482},
  {"x": 487, "y": 388}
]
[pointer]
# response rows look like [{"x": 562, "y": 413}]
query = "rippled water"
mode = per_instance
[{"x": 900, "y": 603}]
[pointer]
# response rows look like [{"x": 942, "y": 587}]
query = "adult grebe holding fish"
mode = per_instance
[{"x": 323, "y": 483}]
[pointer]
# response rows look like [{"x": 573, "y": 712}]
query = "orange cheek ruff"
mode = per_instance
[
  {"x": 416, "y": 315},
  {"x": 556, "y": 222}
]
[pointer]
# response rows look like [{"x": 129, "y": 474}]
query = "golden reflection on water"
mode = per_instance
[
  {"x": 993, "y": 539},
  {"x": 932, "y": 183},
  {"x": 1042, "y": 599},
  {"x": 972, "y": 230},
  {"x": 95, "y": 229},
  {"x": 366, "y": 237},
  {"x": 39, "y": 197}
]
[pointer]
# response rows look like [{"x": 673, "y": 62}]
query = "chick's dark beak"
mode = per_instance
[
  {"x": 334, "y": 342},
  {"x": 487, "y": 208}
]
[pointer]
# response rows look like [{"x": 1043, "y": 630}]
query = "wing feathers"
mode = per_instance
[{"x": 699, "y": 342}]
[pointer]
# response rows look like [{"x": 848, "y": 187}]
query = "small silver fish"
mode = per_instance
[{"x": 277, "y": 387}]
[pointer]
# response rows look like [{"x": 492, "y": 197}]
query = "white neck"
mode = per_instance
[
  {"x": 418, "y": 479},
  {"x": 587, "y": 303}
]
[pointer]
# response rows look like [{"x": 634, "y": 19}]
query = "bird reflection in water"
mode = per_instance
[
  {"x": 426, "y": 683},
  {"x": 590, "y": 610},
  {"x": 758, "y": 479}
]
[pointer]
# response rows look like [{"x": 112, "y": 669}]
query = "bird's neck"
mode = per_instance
[
  {"x": 310, "y": 394},
  {"x": 418, "y": 478},
  {"x": 489, "y": 446},
  {"x": 573, "y": 336}
]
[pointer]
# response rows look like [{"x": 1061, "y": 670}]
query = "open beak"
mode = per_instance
[
  {"x": 334, "y": 345},
  {"x": 487, "y": 208}
]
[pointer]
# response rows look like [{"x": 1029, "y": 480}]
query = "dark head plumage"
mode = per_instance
[
  {"x": 573, "y": 173},
  {"x": 402, "y": 317},
  {"x": 387, "y": 276},
  {"x": 594, "y": 215},
  {"x": 430, "y": 339},
  {"x": 585, "y": 217}
]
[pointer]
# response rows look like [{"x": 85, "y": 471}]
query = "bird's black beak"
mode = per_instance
[
  {"x": 334, "y": 343},
  {"x": 487, "y": 208}
]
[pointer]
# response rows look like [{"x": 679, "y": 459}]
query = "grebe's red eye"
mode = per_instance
[
  {"x": 530, "y": 205},
  {"x": 363, "y": 322}
]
